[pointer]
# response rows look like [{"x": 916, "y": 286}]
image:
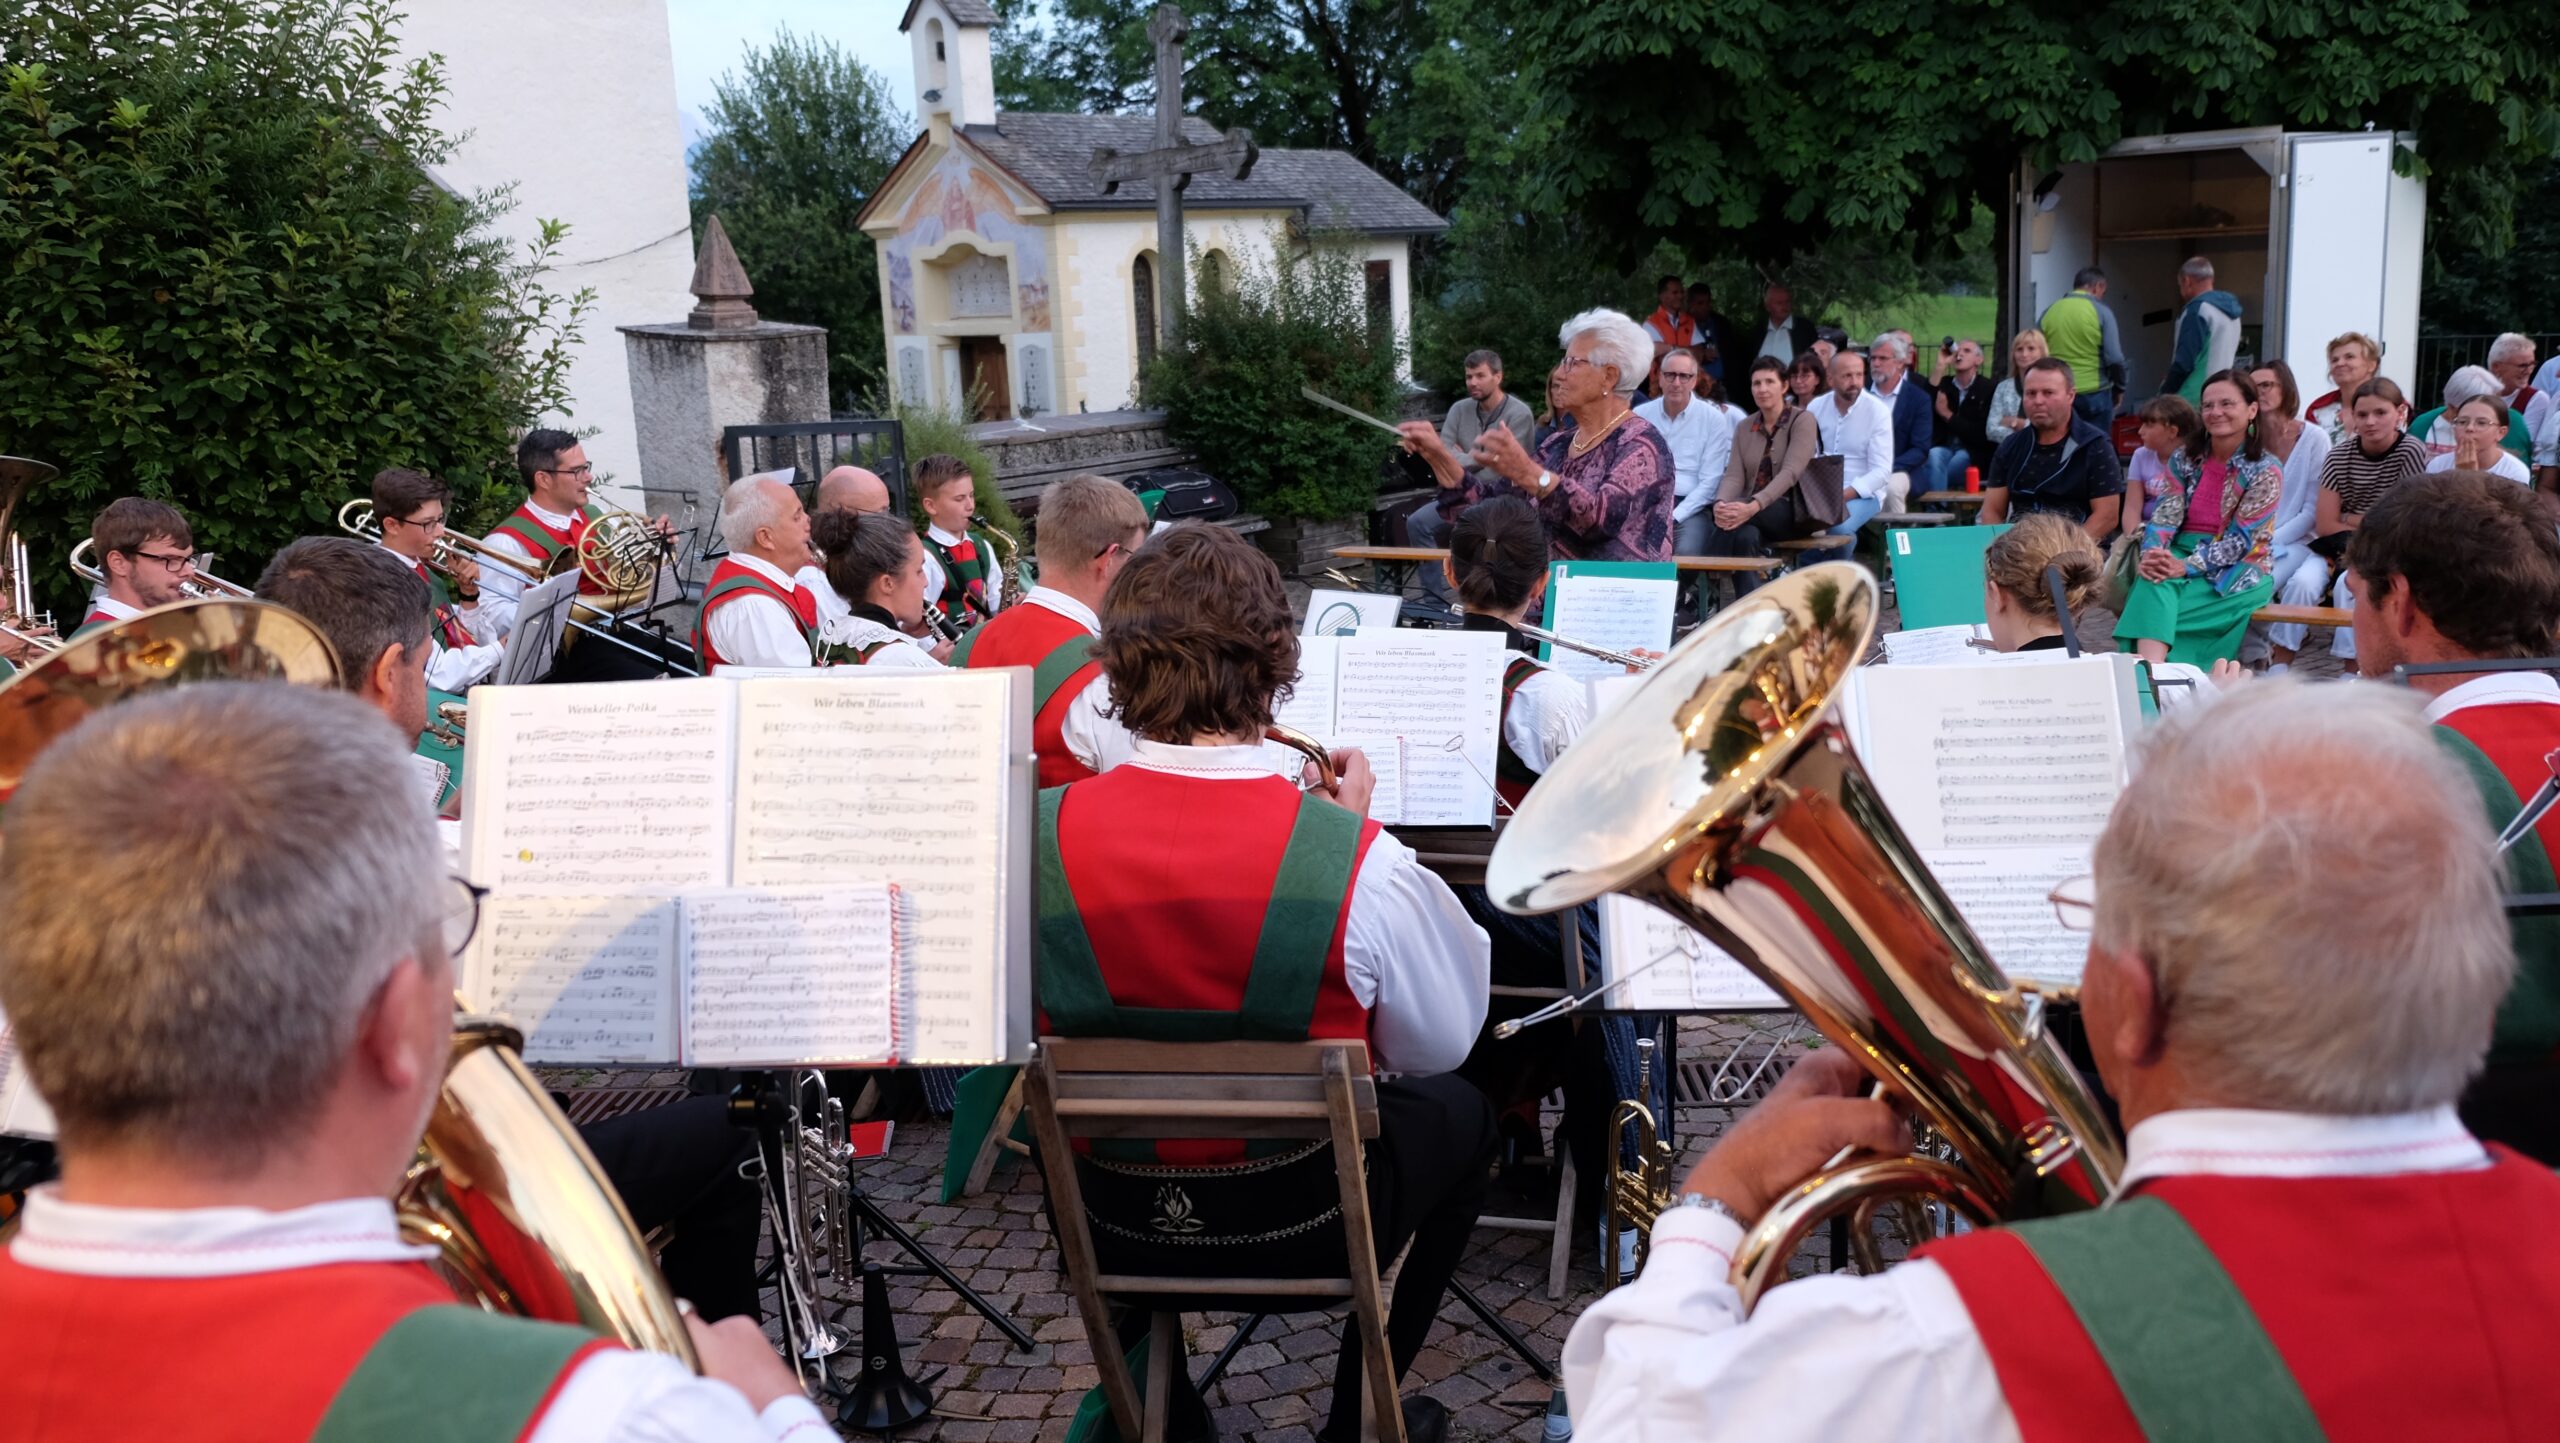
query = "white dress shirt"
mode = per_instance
[
  {"x": 1701, "y": 442},
  {"x": 831, "y": 606},
  {"x": 614, "y": 1396},
  {"x": 1409, "y": 951},
  {"x": 1863, "y": 439},
  {"x": 934, "y": 580},
  {"x": 110, "y": 608},
  {"x": 1548, "y": 711},
  {"x": 2496, "y": 688},
  {"x": 1670, "y": 1356},
  {"x": 753, "y": 629},
  {"x": 1092, "y": 735},
  {"x": 897, "y": 650},
  {"x": 2546, "y": 439},
  {"x": 1780, "y": 341}
]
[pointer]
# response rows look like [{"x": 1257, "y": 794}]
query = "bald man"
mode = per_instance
[{"x": 846, "y": 488}]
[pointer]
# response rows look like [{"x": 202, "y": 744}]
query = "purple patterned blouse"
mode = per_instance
[{"x": 1611, "y": 503}]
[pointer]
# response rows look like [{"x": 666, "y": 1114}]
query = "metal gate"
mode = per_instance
[{"x": 813, "y": 448}]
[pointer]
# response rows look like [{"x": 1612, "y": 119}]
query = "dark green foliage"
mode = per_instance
[
  {"x": 231, "y": 285},
  {"x": 797, "y": 141},
  {"x": 2473, "y": 290},
  {"x": 1230, "y": 394}
]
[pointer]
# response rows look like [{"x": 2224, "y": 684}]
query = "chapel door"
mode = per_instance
[{"x": 982, "y": 370}]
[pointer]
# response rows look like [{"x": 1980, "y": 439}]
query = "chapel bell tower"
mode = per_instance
[{"x": 955, "y": 72}]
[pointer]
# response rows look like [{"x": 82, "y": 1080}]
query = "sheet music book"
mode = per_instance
[
  {"x": 1618, "y": 605},
  {"x": 2002, "y": 776},
  {"x": 22, "y": 1113},
  {"x": 1333, "y": 613},
  {"x": 1937, "y": 645},
  {"x": 645, "y": 813},
  {"x": 1424, "y": 706}
]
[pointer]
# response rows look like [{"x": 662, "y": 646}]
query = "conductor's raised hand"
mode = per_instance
[
  {"x": 1422, "y": 439},
  {"x": 1500, "y": 452},
  {"x": 1817, "y": 1109},
  {"x": 1353, "y": 782}
]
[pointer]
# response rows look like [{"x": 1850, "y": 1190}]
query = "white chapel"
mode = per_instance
[{"x": 1005, "y": 269}]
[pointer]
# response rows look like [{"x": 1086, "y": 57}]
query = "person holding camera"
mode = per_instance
[{"x": 1963, "y": 436}]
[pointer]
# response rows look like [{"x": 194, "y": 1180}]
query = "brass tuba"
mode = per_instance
[
  {"x": 1724, "y": 791},
  {"x": 522, "y": 1219}
]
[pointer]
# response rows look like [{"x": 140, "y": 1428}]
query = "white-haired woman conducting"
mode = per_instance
[{"x": 1602, "y": 478}]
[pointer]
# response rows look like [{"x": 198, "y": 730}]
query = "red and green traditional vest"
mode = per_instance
[
  {"x": 1059, "y": 652},
  {"x": 965, "y": 569},
  {"x": 95, "y": 619},
  {"x": 731, "y": 580},
  {"x": 339, "y": 1353},
  {"x": 450, "y": 632},
  {"x": 1512, "y": 774},
  {"x": 2279, "y": 1310},
  {"x": 2504, "y": 747},
  {"x": 1185, "y": 909},
  {"x": 546, "y": 544}
]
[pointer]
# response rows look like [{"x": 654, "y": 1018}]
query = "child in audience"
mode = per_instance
[
  {"x": 2169, "y": 425},
  {"x": 960, "y": 563}
]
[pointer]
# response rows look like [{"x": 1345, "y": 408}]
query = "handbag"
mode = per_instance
[
  {"x": 2115, "y": 583},
  {"x": 1821, "y": 492}
]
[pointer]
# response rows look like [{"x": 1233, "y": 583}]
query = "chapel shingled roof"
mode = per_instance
[
  {"x": 964, "y": 12},
  {"x": 1052, "y": 154}
]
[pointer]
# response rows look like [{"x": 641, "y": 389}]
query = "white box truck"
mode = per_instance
[{"x": 2317, "y": 233}]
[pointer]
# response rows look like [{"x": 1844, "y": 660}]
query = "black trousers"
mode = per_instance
[
  {"x": 1427, "y": 1174},
  {"x": 680, "y": 1164},
  {"x": 1781, "y": 520}
]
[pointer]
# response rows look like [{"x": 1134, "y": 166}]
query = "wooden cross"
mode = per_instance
[{"x": 1171, "y": 165}]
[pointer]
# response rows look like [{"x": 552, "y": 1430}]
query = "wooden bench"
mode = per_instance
[
  {"x": 2306, "y": 615},
  {"x": 1804, "y": 545},
  {"x": 1397, "y": 563},
  {"x": 1960, "y": 500}
]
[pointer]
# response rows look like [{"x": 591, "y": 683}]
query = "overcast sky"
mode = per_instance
[{"x": 711, "y": 36}]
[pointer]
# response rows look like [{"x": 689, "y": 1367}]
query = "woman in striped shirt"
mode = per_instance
[{"x": 2378, "y": 455}]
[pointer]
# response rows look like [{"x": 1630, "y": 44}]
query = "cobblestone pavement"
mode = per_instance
[{"x": 1279, "y": 1385}]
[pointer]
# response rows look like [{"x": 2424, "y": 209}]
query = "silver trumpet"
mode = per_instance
[
  {"x": 805, "y": 1166},
  {"x": 1627, "y": 659}
]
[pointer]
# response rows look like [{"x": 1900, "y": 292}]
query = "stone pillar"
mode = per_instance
[{"x": 721, "y": 366}]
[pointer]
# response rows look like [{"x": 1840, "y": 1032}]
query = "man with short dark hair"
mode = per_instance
[
  {"x": 410, "y": 507},
  {"x": 1700, "y": 436},
  {"x": 2463, "y": 566},
  {"x": 1669, "y": 326},
  {"x": 2080, "y": 332},
  {"x": 2057, "y": 462},
  {"x": 148, "y": 552},
  {"x": 557, "y": 509},
  {"x": 1486, "y": 407}
]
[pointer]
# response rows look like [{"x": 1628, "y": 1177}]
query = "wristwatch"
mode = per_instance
[
  {"x": 1546, "y": 482},
  {"x": 1714, "y": 1205}
]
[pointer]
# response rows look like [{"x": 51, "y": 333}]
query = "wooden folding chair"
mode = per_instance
[{"x": 1080, "y": 1088}]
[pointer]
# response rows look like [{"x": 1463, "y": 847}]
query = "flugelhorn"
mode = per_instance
[
  {"x": 1724, "y": 791},
  {"x": 1308, "y": 747},
  {"x": 1636, "y": 1195}
]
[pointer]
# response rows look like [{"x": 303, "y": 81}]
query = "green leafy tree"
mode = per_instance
[
  {"x": 1230, "y": 393},
  {"x": 230, "y": 282},
  {"x": 2474, "y": 289},
  {"x": 798, "y": 140}
]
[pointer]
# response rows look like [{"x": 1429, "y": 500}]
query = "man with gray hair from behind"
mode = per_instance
[
  {"x": 2297, "y": 949},
  {"x": 755, "y": 612},
  {"x": 227, "y": 951}
]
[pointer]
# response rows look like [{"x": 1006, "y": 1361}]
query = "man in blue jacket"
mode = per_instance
[
  {"x": 1914, "y": 414},
  {"x": 2208, "y": 330}
]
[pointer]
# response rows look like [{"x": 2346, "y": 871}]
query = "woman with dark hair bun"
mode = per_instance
[{"x": 876, "y": 563}]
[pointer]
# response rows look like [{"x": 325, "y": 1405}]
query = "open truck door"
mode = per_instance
[{"x": 2316, "y": 233}]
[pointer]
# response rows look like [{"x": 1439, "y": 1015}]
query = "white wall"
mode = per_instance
[{"x": 574, "y": 104}]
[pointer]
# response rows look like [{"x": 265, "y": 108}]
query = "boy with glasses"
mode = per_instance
[
  {"x": 411, "y": 507},
  {"x": 148, "y": 553}
]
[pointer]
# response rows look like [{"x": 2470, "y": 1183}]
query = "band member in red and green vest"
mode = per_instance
[
  {"x": 1190, "y": 893},
  {"x": 411, "y": 508},
  {"x": 874, "y": 566},
  {"x": 2296, "y": 949},
  {"x": 1089, "y": 527},
  {"x": 2462, "y": 566},
  {"x": 961, "y": 567},
  {"x": 148, "y": 552},
  {"x": 558, "y": 479},
  {"x": 237, "y": 1108},
  {"x": 754, "y": 611}
]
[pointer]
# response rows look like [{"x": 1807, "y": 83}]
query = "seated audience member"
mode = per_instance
[
  {"x": 2510, "y": 359},
  {"x": 2168, "y": 425},
  {"x": 1669, "y": 327},
  {"x": 1497, "y": 564},
  {"x": 2354, "y": 358},
  {"x": 240, "y": 1057},
  {"x": 1089, "y": 527},
  {"x": 2206, "y": 550},
  {"x": 1963, "y": 437},
  {"x": 2378, "y": 456},
  {"x": 1858, "y": 428},
  {"x": 876, "y": 564},
  {"x": 1806, "y": 379},
  {"x": 1486, "y": 405},
  {"x": 2057, "y": 462},
  {"x": 754, "y": 610},
  {"x": 410, "y": 508},
  {"x": 2477, "y": 424},
  {"x": 2304, "y": 450},
  {"x": 676, "y": 1165},
  {"x": 1700, "y": 437},
  {"x": 2435, "y": 430},
  {"x": 1760, "y": 500},
  {"x": 1169, "y": 868},
  {"x": 2017, "y": 595},
  {"x": 2007, "y": 413},
  {"x": 2466, "y": 567},
  {"x": 148, "y": 552},
  {"x": 2286, "y": 1044},
  {"x": 1914, "y": 414},
  {"x": 846, "y": 488}
]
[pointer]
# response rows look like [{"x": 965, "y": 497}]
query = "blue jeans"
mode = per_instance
[
  {"x": 2098, "y": 408},
  {"x": 1946, "y": 468},
  {"x": 1427, "y": 527},
  {"x": 1861, "y": 510}
]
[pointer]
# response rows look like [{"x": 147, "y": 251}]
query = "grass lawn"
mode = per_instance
[{"x": 1929, "y": 320}]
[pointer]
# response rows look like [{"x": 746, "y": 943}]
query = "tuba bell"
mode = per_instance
[
  {"x": 522, "y": 1219},
  {"x": 1724, "y": 791}
]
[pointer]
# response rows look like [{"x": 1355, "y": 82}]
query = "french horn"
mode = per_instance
[{"x": 1724, "y": 791}]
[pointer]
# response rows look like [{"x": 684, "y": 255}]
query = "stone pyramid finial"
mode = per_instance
[{"x": 720, "y": 284}]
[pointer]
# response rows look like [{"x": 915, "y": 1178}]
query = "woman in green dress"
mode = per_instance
[{"x": 2206, "y": 551}]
